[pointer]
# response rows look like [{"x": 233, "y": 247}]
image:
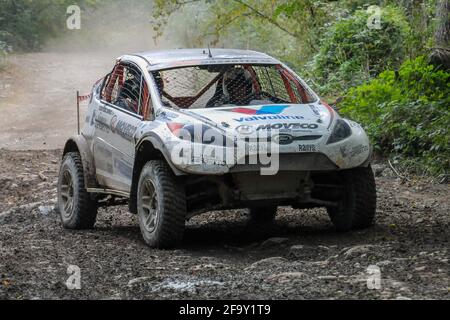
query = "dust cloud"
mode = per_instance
[
  {"x": 113, "y": 29},
  {"x": 37, "y": 92}
]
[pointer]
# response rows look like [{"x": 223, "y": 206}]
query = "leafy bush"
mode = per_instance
[
  {"x": 351, "y": 53},
  {"x": 406, "y": 113}
]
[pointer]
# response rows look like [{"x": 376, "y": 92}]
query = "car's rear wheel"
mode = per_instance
[
  {"x": 76, "y": 207},
  {"x": 357, "y": 206},
  {"x": 161, "y": 206},
  {"x": 263, "y": 214}
]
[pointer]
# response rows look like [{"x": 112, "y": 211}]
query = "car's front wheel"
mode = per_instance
[
  {"x": 161, "y": 206},
  {"x": 357, "y": 205},
  {"x": 76, "y": 207}
]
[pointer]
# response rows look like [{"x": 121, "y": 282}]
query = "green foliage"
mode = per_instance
[
  {"x": 351, "y": 52},
  {"x": 406, "y": 113},
  {"x": 27, "y": 24},
  {"x": 288, "y": 29}
]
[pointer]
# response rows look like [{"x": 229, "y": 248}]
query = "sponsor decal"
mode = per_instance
[
  {"x": 113, "y": 124},
  {"x": 260, "y": 111},
  {"x": 101, "y": 123},
  {"x": 101, "y": 118},
  {"x": 358, "y": 150},
  {"x": 272, "y": 117},
  {"x": 315, "y": 110},
  {"x": 245, "y": 129},
  {"x": 204, "y": 159},
  {"x": 288, "y": 126},
  {"x": 106, "y": 110},
  {"x": 263, "y": 113},
  {"x": 122, "y": 128},
  {"x": 307, "y": 148},
  {"x": 354, "y": 151},
  {"x": 284, "y": 139}
]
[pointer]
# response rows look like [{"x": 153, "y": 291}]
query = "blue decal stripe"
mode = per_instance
[{"x": 271, "y": 109}]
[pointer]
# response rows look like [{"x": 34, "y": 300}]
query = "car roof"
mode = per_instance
[{"x": 190, "y": 57}]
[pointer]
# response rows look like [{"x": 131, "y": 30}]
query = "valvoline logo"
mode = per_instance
[
  {"x": 264, "y": 110},
  {"x": 264, "y": 113}
]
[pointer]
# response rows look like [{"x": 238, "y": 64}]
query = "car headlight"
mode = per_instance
[{"x": 341, "y": 131}]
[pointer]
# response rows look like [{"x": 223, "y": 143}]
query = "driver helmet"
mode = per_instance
[{"x": 238, "y": 77}]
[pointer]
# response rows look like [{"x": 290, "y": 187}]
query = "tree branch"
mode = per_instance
[{"x": 265, "y": 17}]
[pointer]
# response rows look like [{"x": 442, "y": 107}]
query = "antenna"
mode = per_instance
[{"x": 209, "y": 52}]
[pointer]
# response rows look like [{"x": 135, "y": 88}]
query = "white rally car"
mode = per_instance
[{"x": 178, "y": 133}]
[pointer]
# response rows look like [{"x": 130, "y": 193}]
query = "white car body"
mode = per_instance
[{"x": 112, "y": 138}]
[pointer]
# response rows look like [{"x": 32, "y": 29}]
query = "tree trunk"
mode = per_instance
[{"x": 441, "y": 51}]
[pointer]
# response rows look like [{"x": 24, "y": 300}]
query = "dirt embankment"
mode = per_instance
[{"x": 300, "y": 256}]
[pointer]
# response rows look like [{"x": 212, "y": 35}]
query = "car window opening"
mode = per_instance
[
  {"x": 127, "y": 89},
  {"x": 229, "y": 85}
]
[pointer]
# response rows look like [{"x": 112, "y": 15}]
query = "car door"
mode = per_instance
[{"x": 119, "y": 116}]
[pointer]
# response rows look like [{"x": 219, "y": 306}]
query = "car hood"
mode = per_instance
[{"x": 314, "y": 118}]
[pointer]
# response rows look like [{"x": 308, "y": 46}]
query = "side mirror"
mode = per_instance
[{"x": 334, "y": 105}]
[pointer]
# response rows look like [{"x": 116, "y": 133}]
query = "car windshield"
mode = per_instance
[{"x": 215, "y": 86}]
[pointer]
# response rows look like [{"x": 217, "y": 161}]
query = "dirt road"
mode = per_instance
[
  {"x": 38, "y": 97},
  {"x": 223, "y": 255}
]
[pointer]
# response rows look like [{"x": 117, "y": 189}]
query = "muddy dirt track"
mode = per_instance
[
  {"x": 223, "y": 256},
  {"x": 300, "y": 256}
]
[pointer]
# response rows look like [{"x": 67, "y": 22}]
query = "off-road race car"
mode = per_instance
[{"x": 178, "y": 133}]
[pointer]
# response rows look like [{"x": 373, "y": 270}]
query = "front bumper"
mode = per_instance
[
  {"x": 278, "y": 162},
  {"x": 194, "y": 158}
]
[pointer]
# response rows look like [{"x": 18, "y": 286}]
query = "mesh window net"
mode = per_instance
[
  {"x": 229, "y": 85},
  {"x": 125, "y": 87}
]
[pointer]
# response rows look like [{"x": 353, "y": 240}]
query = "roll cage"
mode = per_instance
[{"x": 290, "y": 82}]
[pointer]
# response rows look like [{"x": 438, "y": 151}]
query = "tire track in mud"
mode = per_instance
[{"x": 300, "y": 256}]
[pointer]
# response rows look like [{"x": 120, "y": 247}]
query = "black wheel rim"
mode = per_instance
[
  {"x": 149, "y": 206},
  {"x": 66, "y": 191}
]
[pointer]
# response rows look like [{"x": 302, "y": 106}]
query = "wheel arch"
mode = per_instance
[
  {"x": 79, "y": 144},
  {"x": 149, "y": 148}
]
